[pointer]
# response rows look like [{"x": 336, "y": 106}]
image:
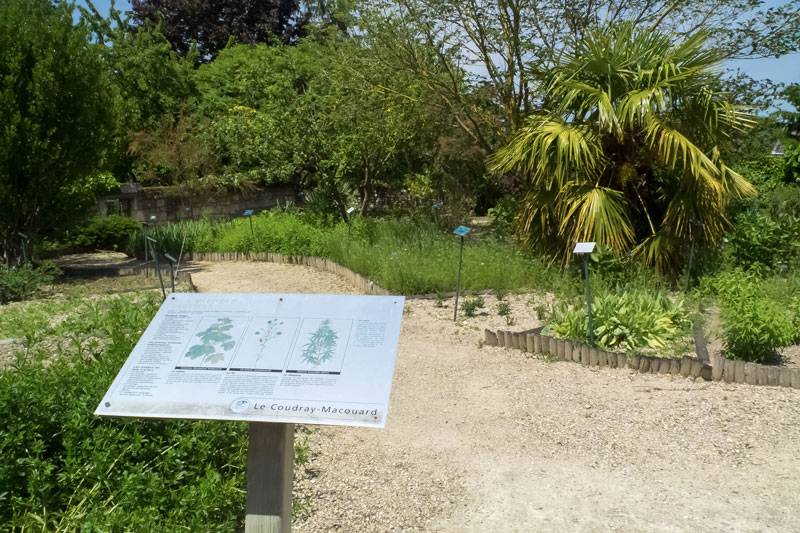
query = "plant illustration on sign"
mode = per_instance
[
  {"x": 267, "y": 333},
  {"x": 215, "y": 341},
  {"x": 320, "y": 345}
]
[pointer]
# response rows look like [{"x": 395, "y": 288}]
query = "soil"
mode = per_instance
[{"x": 487, "y": 439}]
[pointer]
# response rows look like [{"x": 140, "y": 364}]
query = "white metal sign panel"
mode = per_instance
[
  {"x": 584, "y": 248},
  {"x": 293, "y": 358}
]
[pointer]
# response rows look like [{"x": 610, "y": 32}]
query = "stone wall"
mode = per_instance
[{"x": 170, "y": 204}]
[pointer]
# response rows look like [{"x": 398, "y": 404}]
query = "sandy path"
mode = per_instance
[{"x": 484, "y": 439}]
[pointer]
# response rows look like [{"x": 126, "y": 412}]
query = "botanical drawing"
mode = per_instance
[
  {"x": 215, "y": 341},
  {"x": 267, "y": 333},
  {"x": 321, "y": 344}
]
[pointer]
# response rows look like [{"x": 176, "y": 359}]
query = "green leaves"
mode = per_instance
[
  {"x": 633, "y": 320},
  {"x": 628, "y": 155}
]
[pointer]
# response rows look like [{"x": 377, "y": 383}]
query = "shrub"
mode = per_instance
[
  {"x": 24, "y": 281},
  {"x": 110, "y": 232},
  {"x": 472, "y": 304},
  {"x": 630, "y": 320},
  {"x": 758, "y": 316},
  {"x": 764, "y": 241}
]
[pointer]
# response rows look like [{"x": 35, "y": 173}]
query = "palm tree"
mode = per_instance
[{"x": 626, "y": 149}]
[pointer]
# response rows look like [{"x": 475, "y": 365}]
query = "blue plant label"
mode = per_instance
[
  {"x": 248, "y": 212},
  {"x": 287, "y": 358},
  {"x": 462, "y": 231}
]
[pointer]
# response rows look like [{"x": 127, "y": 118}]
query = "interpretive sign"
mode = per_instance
[{"x": 287, "y": 358}]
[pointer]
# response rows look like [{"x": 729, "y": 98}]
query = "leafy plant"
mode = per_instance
[
  {"x": 23, "y": 282},
  {"x": 758, "y": 316},
  {"x": 504, "y": 310},
  {"x": 471, "y": 305},
  {"x": 110, "y": 232},
  {"x": 764, "y": 241},
  {"x": 630, "y": 320}
]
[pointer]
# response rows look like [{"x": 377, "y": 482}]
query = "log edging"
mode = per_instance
[
  {"x": 321, "y": 263},
  {"x": 719, "y": 368}
]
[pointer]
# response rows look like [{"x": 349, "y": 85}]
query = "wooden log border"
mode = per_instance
[
  {"x": 718, "y": 369},
  {"x": 320, "y": 263}
]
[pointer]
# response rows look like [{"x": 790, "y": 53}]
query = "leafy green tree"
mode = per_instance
[
  {"x": 626, "y": 153},
  {"x": 152, "y": 85},
  {"x": 55, "y": 112},
  {"x": 508, "y": 47},
  {"x": 210, "y": 25}
]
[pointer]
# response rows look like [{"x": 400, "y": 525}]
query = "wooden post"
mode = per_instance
[
  {"x": 529, "y": 338},
  {"x": 644, "y": 364},
  {"x": 270, "y": 468},
  {"x": 537, "y": 344},
  {"x": 738, "y": 371},
  {"x": 686, "y": 366},
  {"x": 717, "y": 367},
  {"x": 674, "y": 366},
  {"x": 750, "y": 373}
]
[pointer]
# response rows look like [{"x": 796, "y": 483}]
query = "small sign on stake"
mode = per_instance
[
  {"x": 273, "y": 360},
  {"x": 585, "y": 249},
  {"x": 461, "y": 231}
]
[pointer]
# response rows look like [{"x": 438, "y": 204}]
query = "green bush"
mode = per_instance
[
  {"x": 764, "y": 241},
  {"x": 65, "y": 469},
  {"x": 791, "y": 163},
  {"x": 110, "y": 232},
  {"x": 758, "y": 316},
  {"x": 24, "y": 281},
  {"x": 630, "y": 320}
]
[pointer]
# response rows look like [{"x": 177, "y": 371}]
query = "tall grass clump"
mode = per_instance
[{"x": 407, "y": 255}]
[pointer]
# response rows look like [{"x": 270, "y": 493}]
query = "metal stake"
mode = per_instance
[
  {"x": 158, "y": 269},
  {"x": 588, "y": 297},
  {"x": 458, "y": 282}
]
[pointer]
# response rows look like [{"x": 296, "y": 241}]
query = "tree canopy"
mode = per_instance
[
  {"x": 55, "y": 109},
  {"x": 210, "y": 25}
]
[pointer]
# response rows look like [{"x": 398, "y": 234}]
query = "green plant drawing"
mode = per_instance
[
  {"x": 215, "y": 342},
  {"x": 267, "y": 333},
  {"x": 320, "y": 345}
]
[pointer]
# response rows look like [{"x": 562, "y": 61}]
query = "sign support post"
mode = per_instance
[
  {"x": 270, "y": 471},
  {"x": 462, "y": 232},
  {"x": 249, "y": 214},
  {"x": 585, "y": 249}
]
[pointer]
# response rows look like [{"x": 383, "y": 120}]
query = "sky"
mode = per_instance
[{"x": 784, "y": 69}]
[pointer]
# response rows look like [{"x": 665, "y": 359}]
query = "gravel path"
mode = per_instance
[{"x": 484, "y": 439}]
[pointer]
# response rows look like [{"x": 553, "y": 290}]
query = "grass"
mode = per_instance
[{"x": 408, "y": 256}]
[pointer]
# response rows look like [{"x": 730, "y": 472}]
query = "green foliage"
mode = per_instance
[
  {"x": 764, "y": 241},
  {"x": 110, "y": 232},
  {"x": 408, "y": 255},
  {"x": 55, "y": 111},
  {"x": 626, "y": 157},
  {"x": 63, "y": 464},
  {"x": 758, "y": 316},
  {"x": 791, "y": 163},
  {"x": 23, "y": 282},
  {"x": 631, "y": 320},
  {"x": 471, "y": 305}
]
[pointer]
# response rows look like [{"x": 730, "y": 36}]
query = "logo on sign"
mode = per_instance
[{"x": 241, "y": 405}]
